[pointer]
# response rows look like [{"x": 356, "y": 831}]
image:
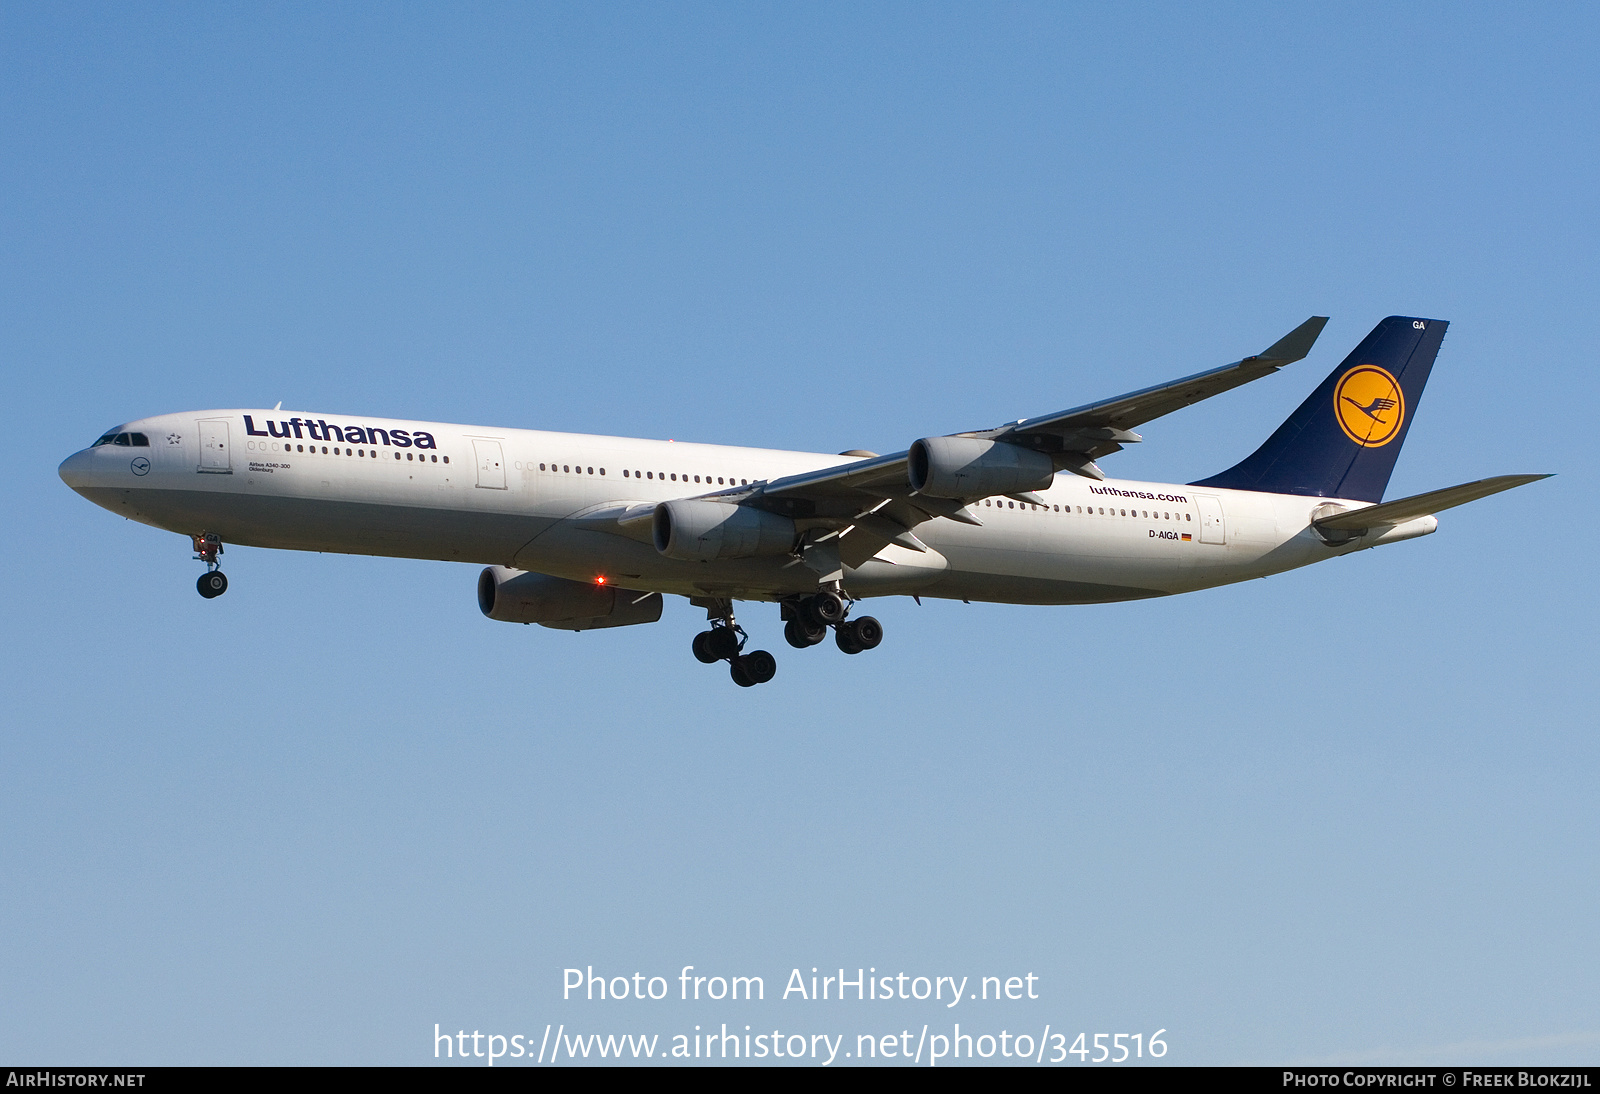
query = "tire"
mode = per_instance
[
  {"x": 723, "y": 642},
  {"x": 825, "y": 609},
  {"x": 760, "y": 666},
  {"x": 740, "y": 674},
  {"x": 802, "y": 634},
  {"x": 845, "y": 637},
  {"x": 212, "y": 584},
  {"x": 702, "y": 649},
  {"x": 868, "y": 632}
]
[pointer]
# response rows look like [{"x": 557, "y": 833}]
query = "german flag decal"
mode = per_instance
[{"x": 1187, "y": 537}]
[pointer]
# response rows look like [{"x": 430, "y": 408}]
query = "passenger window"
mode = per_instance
[
  {"x": 697, "y": 478},
  {"x": 591, "y": 470},
  {"x": 408, "y": 457},
  {"x": 566, "y": 468},
  {"x": 674, "y": 476},
  {"x": 1186, "y": 516},
  {"x": 447, "y": 459}
]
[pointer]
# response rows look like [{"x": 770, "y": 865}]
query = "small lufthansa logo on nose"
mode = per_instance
[
  {"x": 141, "y": 466},
  {"x": 1369, "y": 405}
]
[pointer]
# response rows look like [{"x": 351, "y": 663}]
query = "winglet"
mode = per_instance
[{"x": 1298, "y": 342}]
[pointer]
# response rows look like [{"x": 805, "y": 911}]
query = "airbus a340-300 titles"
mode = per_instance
[{"x": 583, "y": 532}]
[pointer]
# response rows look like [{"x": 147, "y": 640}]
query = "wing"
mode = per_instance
[
  {"x": 869, "y": 502},
  {"x": 858, "y": 508},
  {"x": 1098, "y": 429}
]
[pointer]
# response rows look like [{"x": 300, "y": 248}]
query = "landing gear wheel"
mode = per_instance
[
  {"x": 844, "y": 636},
  {"x": 702, "y": 649},
  {"x": 825, "y": 609},
  {"x": 753, "y": 668},
  {"x": 803, "y": 634},
  {"x": 760, "y": 666},
  {"x": 212, "y": 584},
  {"x": 868, "y": 631}
]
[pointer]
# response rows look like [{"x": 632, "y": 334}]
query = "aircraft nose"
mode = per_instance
[{"x": 74, "y": 470}]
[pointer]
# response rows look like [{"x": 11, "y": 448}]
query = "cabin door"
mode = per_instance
[
  {"x": 214, "y": 455},
  {"x": 491, "y": 465}
]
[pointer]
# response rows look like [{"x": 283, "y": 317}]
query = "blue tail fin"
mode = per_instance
[{"x": 1344, "y": 439}]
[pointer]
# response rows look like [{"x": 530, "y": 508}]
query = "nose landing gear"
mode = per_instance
[{"x": 213, "y": 583}]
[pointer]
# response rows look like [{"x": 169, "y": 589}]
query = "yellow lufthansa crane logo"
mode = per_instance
[{"x": 1369, "y": 405}]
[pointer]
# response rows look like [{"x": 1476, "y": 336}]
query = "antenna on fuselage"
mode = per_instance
[{"x": 278, "y": 407}]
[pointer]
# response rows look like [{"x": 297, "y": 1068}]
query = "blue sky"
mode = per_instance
[{"x": 1346, "y": 813}]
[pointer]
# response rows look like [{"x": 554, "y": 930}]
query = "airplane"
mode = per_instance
[{"x": 580, "y": 532}]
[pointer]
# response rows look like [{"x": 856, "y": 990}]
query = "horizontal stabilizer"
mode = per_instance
[{"x": 1422, "y": 505}]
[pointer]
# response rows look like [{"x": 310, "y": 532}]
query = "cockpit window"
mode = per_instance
[{"x": 127, "y": 440}]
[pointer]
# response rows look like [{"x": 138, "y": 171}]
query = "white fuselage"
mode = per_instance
[{"x": 516, "y": 498}]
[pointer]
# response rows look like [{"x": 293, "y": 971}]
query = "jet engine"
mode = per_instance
[
  {"x": 514, "y": 596},
  {"x": 704, "y": 531},
  {"x": 967, "y": 467}
]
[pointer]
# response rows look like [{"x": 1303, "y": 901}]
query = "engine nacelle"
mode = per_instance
[
  {"x": 967, "y": 467},
  {"x": 704, "y": 531},
  {"x": 515, "y": 596}
]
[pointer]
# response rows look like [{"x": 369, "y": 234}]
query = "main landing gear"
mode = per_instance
[
  {"x": 725, "y": 641},
  {"x": 213, "y": 583},
  {"x": 807, "y": 621}
]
